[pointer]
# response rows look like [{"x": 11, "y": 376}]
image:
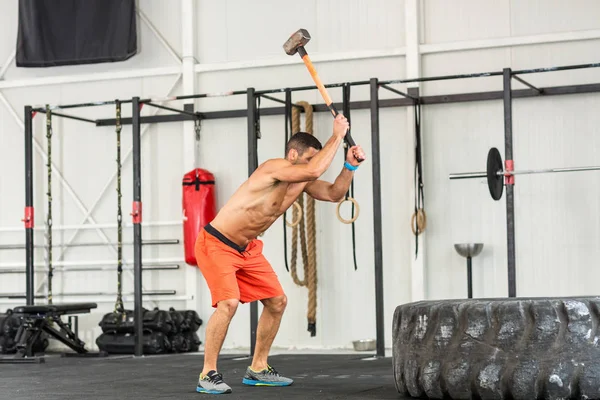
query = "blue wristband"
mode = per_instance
[{"x": 350, "y": 166}]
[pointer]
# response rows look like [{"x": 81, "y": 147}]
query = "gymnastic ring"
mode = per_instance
[
  {"x": 293, "y": 224},
  {"x": 421, "y": 218},
  {"x": 348, "y": 221}
]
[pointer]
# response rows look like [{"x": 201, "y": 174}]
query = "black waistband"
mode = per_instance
[{"x": 211, "y": 229}]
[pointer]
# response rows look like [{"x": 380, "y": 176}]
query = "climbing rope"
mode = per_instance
[
  {"x": 49, "y": 197},
  {"x": 305, "y": 230},
  {"x": 119, "y": 308}
]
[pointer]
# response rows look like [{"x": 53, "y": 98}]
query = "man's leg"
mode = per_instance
[
  {"x": 219, "y": 267},
  {"x": 258, "y": 280},
  {"x": 261, "y": 373},
  {"x": 268, "y": 326},
  {"x": 216, "y": 330}
]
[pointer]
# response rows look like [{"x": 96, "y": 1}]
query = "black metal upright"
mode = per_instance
[
  {"x": 137, "y": 227},
  {"x": 252, "y": 165},
  {"x": 377, "y": 230},
  {"x": 28, "y": 218},
  {"x": 510, "y": 199},
  {"x": 470, "y": 277}
]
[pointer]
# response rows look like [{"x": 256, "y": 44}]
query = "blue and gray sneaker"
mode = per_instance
[
  {"x": 212, "y": 383},
  {"x": 266, "y": 377}
]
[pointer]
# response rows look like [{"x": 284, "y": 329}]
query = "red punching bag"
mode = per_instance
[{"x": 199, "y": 208}]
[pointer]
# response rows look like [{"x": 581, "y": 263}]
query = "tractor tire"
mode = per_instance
[{"x": 517, "y": 348}]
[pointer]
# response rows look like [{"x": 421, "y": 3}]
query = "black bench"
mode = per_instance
[{"x": 40, "y": 318}]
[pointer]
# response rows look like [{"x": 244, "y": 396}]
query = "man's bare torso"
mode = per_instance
[
  {"x": 277, "y": 183},
  {"x": 254, "y": 207}
]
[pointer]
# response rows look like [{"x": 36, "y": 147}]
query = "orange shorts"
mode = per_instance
[{"x": 232, "y": 272}]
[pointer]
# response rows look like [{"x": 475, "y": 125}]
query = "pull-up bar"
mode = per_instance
[
  {"x": 312, "y": 87},
  {"x": 364, "y": 105},
  {"x": 190, "y": 114},
  {"x": 142, "y": 101},
  {"x": 494, "y": 73},
  {"x": 195, "y": 96},
  {"x": 55, "y": 114}
]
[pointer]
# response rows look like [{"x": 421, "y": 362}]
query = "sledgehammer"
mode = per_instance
[{"x": 295, "y": 44}]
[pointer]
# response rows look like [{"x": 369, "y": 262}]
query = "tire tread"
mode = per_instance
[{"x": 505, "y": 349}]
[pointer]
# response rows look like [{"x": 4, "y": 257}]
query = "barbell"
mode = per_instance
[{"x": 497, "y": 176}]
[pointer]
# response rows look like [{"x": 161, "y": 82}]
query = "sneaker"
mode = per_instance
[
  {"x": 266, "y": 377},
  {"x": 212, "y": 383}
]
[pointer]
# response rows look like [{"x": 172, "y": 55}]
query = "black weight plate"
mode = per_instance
[{"x": 495, "y": 181}]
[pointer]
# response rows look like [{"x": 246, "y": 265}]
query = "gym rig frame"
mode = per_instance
[{"x": 253, "y": 113}]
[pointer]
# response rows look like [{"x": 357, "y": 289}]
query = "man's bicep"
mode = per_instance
[{"x": 319, "y": 190}]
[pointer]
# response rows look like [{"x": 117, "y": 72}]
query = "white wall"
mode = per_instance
[
  {"x": 465, "y": 36},
  {"x": 551, "y": 236}
]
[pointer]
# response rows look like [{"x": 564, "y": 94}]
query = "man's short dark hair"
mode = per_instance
[{"x": 302, "y": 141}]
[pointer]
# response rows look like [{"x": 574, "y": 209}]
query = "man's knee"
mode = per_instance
[
  {"x": 228, "y": 306},
  {"x": 276, "y": 304}
]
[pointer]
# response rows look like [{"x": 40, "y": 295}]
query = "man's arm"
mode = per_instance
[
  {"x": 335, "y": 192},
  {"x": 285, "y": 171},
  {"x": 325, "y": 191},
  {"x": 311, "y": 171}
]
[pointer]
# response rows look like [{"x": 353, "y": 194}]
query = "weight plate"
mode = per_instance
[{"x": 495, "y": 181}]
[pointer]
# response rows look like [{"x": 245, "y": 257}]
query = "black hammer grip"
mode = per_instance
[{"x": 348, "y": 137}]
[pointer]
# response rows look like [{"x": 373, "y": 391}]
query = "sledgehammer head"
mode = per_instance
[{"x": 298, "y": 39}]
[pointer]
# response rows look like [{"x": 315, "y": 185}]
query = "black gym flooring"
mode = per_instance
[{"x": 174, "y": 377}]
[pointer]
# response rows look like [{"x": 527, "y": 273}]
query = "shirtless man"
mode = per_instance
[{"x": 230, "y": 257}]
